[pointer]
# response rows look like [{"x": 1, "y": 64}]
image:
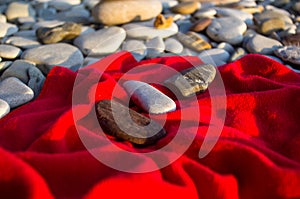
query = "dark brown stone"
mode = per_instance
[
  {"x": 201, "y": 24},
  {"x": 117, "y": 120}
]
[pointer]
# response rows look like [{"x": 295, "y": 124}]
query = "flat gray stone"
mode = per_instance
[
  {"x": 146, "y": 30},
  {"x": 4, "y": 108},
  {"x": 36, "y": 80},
  {"x": 173, "y": 45},
  {"x": 227, "y": 29},
  {"x": 289, "y": 53},
  {"x": 192, "y": 81},
  {"x": 136, "y": 47},
  {"x": 215, "y": 56},
  {"x": 149, "y": 98},
  {"x": 101, "y": 42},
  {"x": 155, "y": 47},
  {"x": 23, "y": 42},
  {"x": 9, "y": 52},
  {"x": 74, "y": 15},
  {"x": 19, "y": 9},
  {"x": 64, "y": 4},
  {"x": 48, "y": 24},
  {"x": 18, "y": 69},
  {"x": 262, "y": 45},
  {"x": 50, "y": 55},
  {"x": 229, "y": 12},
  {"x": 7, "y": 29},
  {"x": 15, "y": 92}
]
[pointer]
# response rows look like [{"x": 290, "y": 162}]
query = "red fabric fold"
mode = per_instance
[{"x": 256, "y": 156}]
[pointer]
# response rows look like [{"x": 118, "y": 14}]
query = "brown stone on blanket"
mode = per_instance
[{"x": 118, "y": 120}]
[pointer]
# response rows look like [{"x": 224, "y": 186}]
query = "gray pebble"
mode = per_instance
[
  {"x": 9, "y": 52},
  {"x": 23, "y": 42},
  {"x": 4, "y": 65},
  {"x": 18, "y": 69},
  {"x": 136, "y": 47},
  {"x": 155, "y": 47},
  {"x": 4, "y": 108},
  {"x": 215, "y": 56},
  {"x": 36, "y": 80},
  {"x": 19, "y": 9},
  {"x": 173, "y": 46},
  {"x": 262, "y": 45},
  {"x": 7, "y": 29}
]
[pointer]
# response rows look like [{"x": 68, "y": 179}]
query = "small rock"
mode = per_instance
[
  {"x": 101, "y": 42},
  {"x": 126, "y": 124},
  {"x": 25, "y": 33},
  {"x": 161, "y": 22},
  {"x": 136, "y": 48},
  {"x": 174, "y": 46},
  {"x": 2, "y": 18},
  {"x": 226, "y": 46},
  {"x": 120, "y": 12},
  {"x": 289, "y": 53},
  {"x": 269, "y": 14},
  {"x": 19, "y": 9},
  {"x": 201, "y": 24},
  {"x": 291, "y": 40},
  {"x": 227, "y": 29},
  {"x": 56, "y": 34},
  {"x": 229, "y": 12},
  {"x": 7, "y": 29},
  {"x": 15, "y": 92},
  {"x": 23, "y": 42},
  {"x": 184, "y": 25},
  {"x": 208, "y": 12},
  {"x": 4, "y": 108},
  {"x": 215, "y": 56},
  {"x": 186, "y": 7},
  {"x": 239, "y": 53},
  {"x": 272, "y": 25},
  {"x": 155, "y": 47},
  {"x": 36, "y": 80},
  {"x": 9, "y": 52},
  {"x": 18, "y": 69},
  {"x": 74, "y": 15},
  {"x": 262, "y": 45},
  {"x": 193, "y": 41},
  {"x": 50, "y": 55},
  {"x": 149, "y": 98},
  {"x": 64, "y": 4},
  {"x": 192, "y": 80},
  {"x": 4, "y": 65},
  {"x": 146, "y": 30}
]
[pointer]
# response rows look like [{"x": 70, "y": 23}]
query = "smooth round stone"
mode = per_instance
[
  {"x": 269, "y": 14},
  {"x": 149, "y": 98},
  {"x": 36, "y": 80},
  {"x": 215, "y": 56},
  {"x": 4, "y": 108},
  {"x": 207, "y": 12},
  {"x": 272, "y": 25},
  {"x": 146, "y": 30},
  {"x": 2, "y": 18},
  {"x": 136, "y": 47},
  {"x": 23, "y": 42},
  {"x": 262, "y": 45},
  {"x": 239, "y": 53},
  {"x": 186, "y": 7},
  {"x": 227, "y": 29},
  {"x": 173, "y": 45},
  {"x": 155, "y": 47},
  {"x": 289, "y": 53},
  {"x": 26, "y": 20},
  {"x": 7, "y": 29},
  {"x": 15, "y": 92},
  {"x": 74, "y": 15},
  {"x": 101, "y": 42},
  {"x": 50, "y": 55},
  {"x": 193, "y": 41},
  {"x": 19, "y": 9},
  {"x": 226, "y": 46},
  {"x": 184, "y": 25},
  {"x": 18, "y": 69},
  {"x": 201, "y": 24},
  {"x": 228, "y": 12},
  {"x": 63, "y": 4},
  {"x": 49, "y": 24},
  {"x": 9, "y": 52},
  {"x": 4, "y": 65},
  {"x": 119, "y": 12},
  {"x": 56, "y": 34}
]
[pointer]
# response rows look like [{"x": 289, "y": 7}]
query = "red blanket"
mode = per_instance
[{"x": 42, "y": 155}]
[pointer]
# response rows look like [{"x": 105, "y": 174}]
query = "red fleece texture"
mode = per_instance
[{"x": 257, "y": 155}]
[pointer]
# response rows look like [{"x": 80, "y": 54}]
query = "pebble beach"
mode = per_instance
[{"x": 37, "y": 35}]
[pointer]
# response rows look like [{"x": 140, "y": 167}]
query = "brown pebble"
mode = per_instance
[
  {"x": 130, "y": 125},
  {"x": 201, "y": 24},
  {"x": 193, "y": 41},
  {"x": 185, "y": 7},
  {"x": 272, "y": 25},
  {"x": 161, "y": 22}
]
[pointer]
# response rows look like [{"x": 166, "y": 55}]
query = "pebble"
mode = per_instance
[
  {"x": 162, "y": 22},
  {"x": 215, "y": 56},
  {"x": 136, "y": 47},
  {"x": 149, "y": 98},
  {"x": 289, "y": 53},
  {"x": 101, "y": 42},
  {"x": 23, "y": 42},
  {"x": 4, "y": 108},
  {"x": 269, "y": 14},
  {"x": 118, "y": 120},
  {"x": 227, "y": 29},
  {"x": 19, "y": 69},
  {"x": 271, "y": 25},
  {"x": 186, "y": 7},
  {"x": 208, "y": 12},
  {"x": 36, "y": 80},
  {"x": 56, "y": 34},
  {"x": 2, "y": 18},
  {"x": 9, "y": 52},
  {"x": 229, "y": 12},
  {"x": 155, "y": 47},
  {"x": 192, "y": 80},
  {"x": 50, "y": 55},
  {"x": 262, "y": 45},
  {"x": 238, "y": 53},
  {"x": 193, "y": 41},
  {"x": 15, "y": 92},
  {"x": 146, "y": 30},
  {"x": 201, "y": 24},
  {"x": 63, "y": 4},
  {"x": 74, "y": 15},
  {"x": 226, "y": 46},
  {"x": 7, "y": 29},
  {"x": 4, "y": 65},
  {"x": 119, "y": 12},
  {"x": 19, "y": 9},
  {"x": 173, "y": 45}
]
